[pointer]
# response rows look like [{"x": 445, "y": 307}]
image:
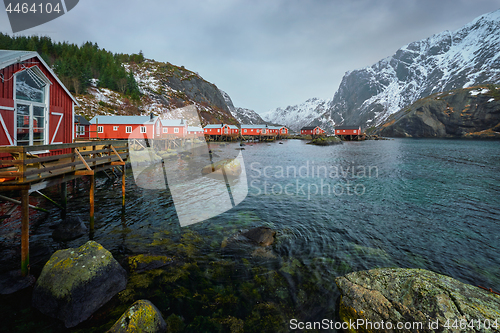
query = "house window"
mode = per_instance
[
  {"x": 245, "y": 130},
  {"x": 176, "y": 130},
  {"x": 165, "y": 130},
  {"x": 343, "y": 130},
  {"x": 354, "y": 131},
  {"x": 115, "y": 128},
  {"x": 31, "y": 107},
  {"x": 143, "y": 129},
  {"x": 100, "y": 129},
  {"x": 218, "y": 130},
  {"x": 81, "y": 130},
  {"x": 128, "y": 129}
]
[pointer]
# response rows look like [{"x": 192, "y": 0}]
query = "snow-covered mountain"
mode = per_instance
[
  {"x": 244, "y": 116},
  {"x": 445, "y": 61},
  {"x": 297, "y": 116}
]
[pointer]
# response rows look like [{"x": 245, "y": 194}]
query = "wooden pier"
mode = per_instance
[{"x": 29, "y": 169}]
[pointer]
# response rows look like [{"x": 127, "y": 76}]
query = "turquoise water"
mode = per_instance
[{"x": 432, "y": 204}]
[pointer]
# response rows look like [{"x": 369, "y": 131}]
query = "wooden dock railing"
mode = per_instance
[{"x": 31, "y": 168}]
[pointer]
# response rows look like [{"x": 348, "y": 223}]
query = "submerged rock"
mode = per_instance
[
  {"x": 256, "y": 242},
  {"x": 74, "y": 283},
  {"x": 413, "y": 295},
  {"x": 70, "y": 228},
  {"x": 13, "y": 281},
  {"x": 142, "y": 316},
  {"x": 146, "y": 262}
]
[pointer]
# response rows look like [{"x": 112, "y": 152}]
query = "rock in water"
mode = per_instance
[
  {"x": 413, "y": 295},
  {"x": 232, "y": 167},
  {"x": 74, "y": 283},
  {"x": 142, "y": 316},
  {"x": 72, "y": 227},
  {"x": 263, "y": 236}
]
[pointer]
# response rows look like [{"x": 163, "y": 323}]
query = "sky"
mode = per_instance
[{"x": 264, "y": 53}]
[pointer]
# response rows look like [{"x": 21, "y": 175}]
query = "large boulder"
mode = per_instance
[
  {"x": 75, "y": 282},
  {"x": 398, "y": 295},
  {"x": 142, "y": 316}
]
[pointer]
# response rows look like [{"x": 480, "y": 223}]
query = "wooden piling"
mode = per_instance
[
  {"x": 25, "y": 232},
  {"x": 123, "y": 185},
  {"x": 64, "y": 195},
  {"x": 92, "y": 189}
]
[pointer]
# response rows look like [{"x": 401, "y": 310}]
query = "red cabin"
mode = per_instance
[
  {"x": 170, "y": 127},
  {"x": 311, "y": 130},
  {"x": 195, "y": 131},
  {"x": 217, "y": 129},
  {"x": 122, "y": 127},
  {"x": 82, "y": 127},
  {"x": 255, "y": 130},
  {"x": 35, "y": 107},
  {"x": 347, "y": 130}
]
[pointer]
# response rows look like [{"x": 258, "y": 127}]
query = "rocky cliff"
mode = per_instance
[
  {"x": 469, "y": 112},
  {"x": 164, "y": 87}
]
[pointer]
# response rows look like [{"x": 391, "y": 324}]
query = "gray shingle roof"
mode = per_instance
[{"x": 120, "y": 120}]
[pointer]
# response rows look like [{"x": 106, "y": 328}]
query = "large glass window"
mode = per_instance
[
  {"x": 29, "y": 87},
  {"x": 30, "y": 124},
  {"x": 31, "y": 107}
]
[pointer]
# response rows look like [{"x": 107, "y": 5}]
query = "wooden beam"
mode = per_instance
[
  {"x": 84, "y": 173},
  {"x": 25, "y": 233},
  {"x": 92, "y": 189},
  {"x": 82, "y": 159},
  {"x": 114, "y": 151},
  {"x": 123, "y": 185},
  {"x": 118, "y": 163}
]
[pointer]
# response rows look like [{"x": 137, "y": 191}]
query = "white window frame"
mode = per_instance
[
  {"x": 45, "y": 104},
  {"x": 165, "y": 129},
  {"x": 100, "y": 129},
  {"x": 128, "y": 129},
  {"x": 176, "y": 129},
  {"x": 115, "y": 128},
  {"x": 143, "y": 129}
]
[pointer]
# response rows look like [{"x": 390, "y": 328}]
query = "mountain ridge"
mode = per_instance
[{"x": 448, "y": 60}]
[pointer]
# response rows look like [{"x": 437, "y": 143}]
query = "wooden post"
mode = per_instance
[
  {"x": 123, "y": 185},
  {"x": 92, "y": 189},
  {"x": 64, "y": 195},
  {"x": 25, "y": 232}
]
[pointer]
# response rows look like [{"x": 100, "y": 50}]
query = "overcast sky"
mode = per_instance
[{"x": 264, "y": 54}]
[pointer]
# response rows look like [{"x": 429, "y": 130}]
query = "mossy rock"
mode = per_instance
[
  {"x": 413, "y": 295},
  {"x": 142, "y": 316},
  {"x": 145, "y": 262},
  {"x": 74, "y": 283}
]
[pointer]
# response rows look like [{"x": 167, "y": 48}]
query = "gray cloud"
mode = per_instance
[{"x": 265, "y": 54}]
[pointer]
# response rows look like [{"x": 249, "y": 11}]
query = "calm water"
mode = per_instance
[{"x": 432, "y": 204}]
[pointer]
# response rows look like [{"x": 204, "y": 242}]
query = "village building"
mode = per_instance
[
  {"x": 170, "y": 128},
  {"x": 196, "y": 132},
  {"x": 122, "y": 127},
  {"x": 35, "y": 107},
  {"x": 82, "y": 127},
  {"x": 255, "y": 130},
  {"x": 221, "y": 131},
  {"x": 348, "y": 132},
  {"x": 312, "y": 130},
  {"x": 280, "y": 131}
]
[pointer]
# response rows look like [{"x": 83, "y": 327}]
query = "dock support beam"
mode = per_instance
[
  {"x": 92, "y": 189},
  {"x": 123, "y": 186},
  {"x": 25, "y": 232}
]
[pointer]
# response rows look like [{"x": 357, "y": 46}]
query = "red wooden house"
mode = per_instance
[
  {"x": 278, "y": 130},
  {"x": 255, "y": 130},
  {"x": 122, "y": 127},
  {"x": 168, "y": 128},
  {"x": 311, "y": 130},
  {"x": 195, "y": 131},
  {"x": 347, "y": 130},
  {"x": 35, "y": 107},
  {"x": 82, "y": 127}
]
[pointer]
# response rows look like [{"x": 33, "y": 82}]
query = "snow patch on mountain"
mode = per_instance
[{"x": 297, "y": 116}]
